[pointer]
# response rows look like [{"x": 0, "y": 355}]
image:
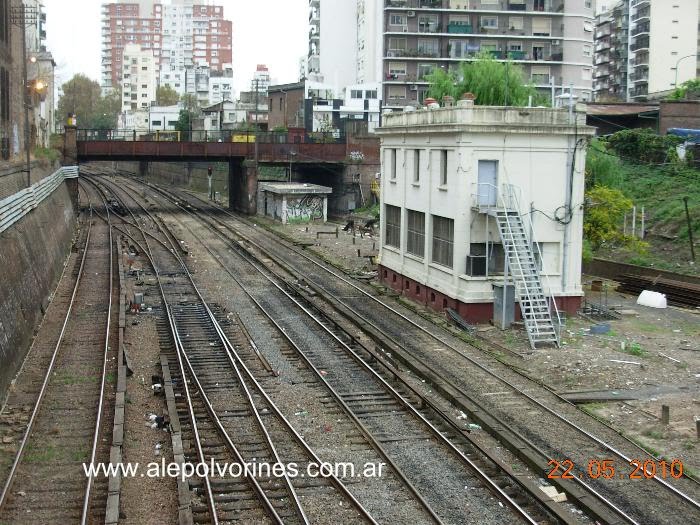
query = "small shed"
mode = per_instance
[{"x": 293, "y": 202}]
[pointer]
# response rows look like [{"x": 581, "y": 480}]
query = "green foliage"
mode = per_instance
[
  {"x": 183, "y": 121},
  {"x": 493, "y": 83},
  {"x": 83, "y": 97},
  {"x": 605, "y": 210},
  {"x": 166, "y": 96},
  {"x": 280, "y": 129},
  {"x": 688, "y": 90},
  {"x": 643, "y": 145},
  {"x": 602, "y": 167}
]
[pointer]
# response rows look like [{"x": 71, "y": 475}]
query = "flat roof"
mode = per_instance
[
  {"x": 293, "y": 188},
  {"x": 620, "y": 109}
]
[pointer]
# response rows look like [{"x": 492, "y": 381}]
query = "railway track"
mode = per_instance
[
  {"x": 228, "y": 415},
  {"x": 381, "y": 411},
  {"x": 72, "y": 399},
  {"x": 560, "y": 432}
]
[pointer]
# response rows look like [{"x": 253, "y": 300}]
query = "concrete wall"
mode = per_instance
[{"x": 32, "y": 257}]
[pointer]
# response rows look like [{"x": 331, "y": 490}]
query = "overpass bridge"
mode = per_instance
[{"x": 243, "y": 153}]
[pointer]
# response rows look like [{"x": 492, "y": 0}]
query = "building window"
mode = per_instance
[
  {"x": 393, "y": 226},
  {"x": 587, "y": 26},
  {"x": 396, "y": 92},
  {"x": 415, "y": 230},
  {"x": 397, "y": 45},
  {"x": 516, "y": 23},
  {"x": 391, "y": 159},
  {"x": 587, "y": 50},
  {"x": 156, "y": 123},
  {"x": 490, "y": 22},
  {"x": 372, "y": 94},
  {"x": 428, "y": 47},
  {"x": 397, "y": 20},
  {"x": 355, "y": 93},
  {"x": 416, "y": 165},
  {"x": 397, "y": 68},
  {"x": 424, "y": 70},
  {"x": 443, "y": 240},
  {"x": 443, "y": 167},
  {"x": 541, "y": 26},
  {"x": 540, "y": 75},
  {"x": 4, "y": 95},
  {"x": 586, "y": 73}
]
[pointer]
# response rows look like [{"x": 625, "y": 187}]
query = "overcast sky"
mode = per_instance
[{"x": 272, "y": 32}]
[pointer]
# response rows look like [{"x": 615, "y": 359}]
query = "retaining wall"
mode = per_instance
[{"x": 32, "y": 255}]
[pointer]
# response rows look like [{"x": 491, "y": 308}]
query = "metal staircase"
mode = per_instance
[{"x": 534, "y": 304}]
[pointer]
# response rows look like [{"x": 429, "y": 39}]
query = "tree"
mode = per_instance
[
  {"x": 83, "y": 97},
  {"x": 493, "y": 83},
  {"x": 166, "y": 96},
  {"x": 688, "y": 90},
  {"x": 605, "y": 209}
]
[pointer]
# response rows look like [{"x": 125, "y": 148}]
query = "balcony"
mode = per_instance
[
  {"x": 460, "y": 28},
  {"x": 641, "y": 28},
  {"x": 430, "y": 27},
  {"x": 517, "y": 6},
  {"x": 641, "y": 14},
  {"x": 641, "y": 43},
  {"x": 640, "y": 76}
]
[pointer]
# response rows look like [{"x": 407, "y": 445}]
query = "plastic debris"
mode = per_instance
[{"x": 652, "y": 299}]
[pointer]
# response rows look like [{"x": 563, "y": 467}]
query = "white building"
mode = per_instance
[
  {"x": 663, "y": 47},
  {"x": 261, "y": 79},
  {"x": 359, "y": 102},
  {"x": 138, "y": 78},
  {"x": 370, "y": 40},
  {"x": 333, "y": 41},
  {"x": 447, "y": 173},
  {"x": 150, "y": 119}
]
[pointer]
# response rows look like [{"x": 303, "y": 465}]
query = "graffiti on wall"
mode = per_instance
[{"x": 304, "y": 209}]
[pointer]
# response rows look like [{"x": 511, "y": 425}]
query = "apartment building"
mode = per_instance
[
  {"x": 551, "y": 39},
  {"x": 138, "y": 78},
  {"x": 181, "y": 34},
  {"x": 370, "y": 40},
  {"x": 664, "y": 44},
  {"x": 612, "y": 64},
  {"x": 644, "y": 47},
  {"x": 332, "y": 56}
]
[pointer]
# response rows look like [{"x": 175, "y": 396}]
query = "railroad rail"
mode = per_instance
[
  {"x": 384, "y": 396},
  {"x": 46, "y": 482},
  {"x": 513, "y": 409},
  {"x": 231, "y": 397},
  {"x": 677, "y": 293}
]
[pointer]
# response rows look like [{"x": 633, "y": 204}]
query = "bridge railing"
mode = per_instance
[{"x": 262, "y": 137}]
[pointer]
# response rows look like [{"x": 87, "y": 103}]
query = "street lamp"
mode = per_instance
[{"x": 675, "y": 83}]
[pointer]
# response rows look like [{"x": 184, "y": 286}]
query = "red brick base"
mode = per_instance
[{"x": 471, "y": 312}]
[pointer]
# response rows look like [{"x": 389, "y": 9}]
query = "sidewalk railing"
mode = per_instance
[{"x": 16, "y": 206}]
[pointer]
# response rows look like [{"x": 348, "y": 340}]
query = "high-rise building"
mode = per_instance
[
  {"x": 369, "y": 41},
  {"x": 138, "y": 78},
  {"x": 644, "y": 48},
  {"x": 261, "y": 79},
  {"x": 551, "y": 39},
  {"x": 611, "y": 71},
  {"x": 181, "y": 34},
  {"x": 332, "y": 55}
]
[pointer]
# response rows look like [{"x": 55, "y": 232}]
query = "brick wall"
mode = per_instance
[{"x": 679, "y": 114}]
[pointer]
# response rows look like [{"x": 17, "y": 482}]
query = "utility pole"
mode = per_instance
[
  {"x": 690, "y": 228},
  {"x": 22, "y": 16}
]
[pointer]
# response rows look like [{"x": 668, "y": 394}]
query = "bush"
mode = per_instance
[{"x": 644, "y": 145}]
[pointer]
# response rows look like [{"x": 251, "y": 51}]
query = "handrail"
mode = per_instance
[
  {"x": 529, "y": 227},
  {"x": 17, "y": 205},
  {"x": 509, "y": 198}
]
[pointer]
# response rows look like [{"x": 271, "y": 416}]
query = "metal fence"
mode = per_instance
[{"x": 16, "y": 206}]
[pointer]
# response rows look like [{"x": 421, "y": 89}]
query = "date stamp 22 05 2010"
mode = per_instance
[{"x": 610, "y": 469}]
